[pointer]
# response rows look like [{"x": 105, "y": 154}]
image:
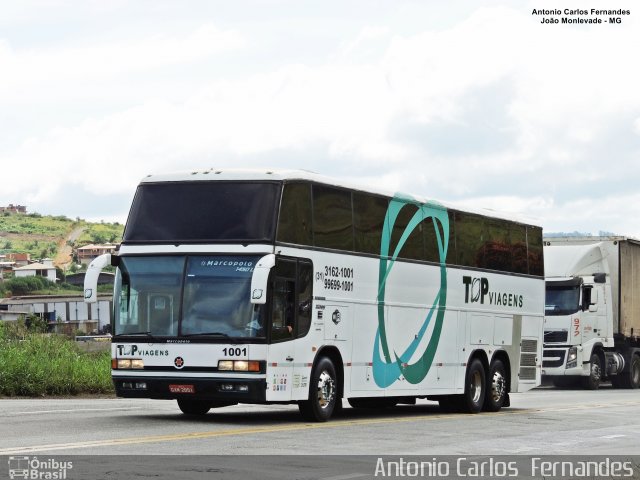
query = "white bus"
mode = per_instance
[{"x": 289, "y": 287}]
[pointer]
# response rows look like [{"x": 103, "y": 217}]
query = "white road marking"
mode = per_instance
[{"x": 71, "y": 410}]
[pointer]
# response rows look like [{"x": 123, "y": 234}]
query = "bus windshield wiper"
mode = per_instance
[
  {"x": 204, "y": 334},
  {"x": 148, "y": 334}
]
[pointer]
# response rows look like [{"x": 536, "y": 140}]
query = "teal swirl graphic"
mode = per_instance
[{"x": 387, "y": 369}]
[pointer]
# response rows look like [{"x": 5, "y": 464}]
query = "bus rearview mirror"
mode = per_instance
[
  {"x": 91, "y": 277},
  {"x": 260, "y": 278}
]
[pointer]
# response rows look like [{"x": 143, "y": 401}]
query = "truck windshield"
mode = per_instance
[
  {"x": 562, "y": 299},
  {"x": 187, "y": 296}
]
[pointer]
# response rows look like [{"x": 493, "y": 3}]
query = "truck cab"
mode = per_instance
[
  {"x": 592, "y": 310},
  {"x": 576, "y": 328}
]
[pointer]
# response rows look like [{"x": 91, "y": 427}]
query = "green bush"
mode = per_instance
[
  {"x": 35, "y": 364},
  {"x": 26, "y": 285}
]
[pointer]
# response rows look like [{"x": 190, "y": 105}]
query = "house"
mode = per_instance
[
  {"x": 20, "y": 259},
  {"x": 44, "y": 269},
  {"x": 65, "y": 314},
  {"x": 87, "y": 253},
  {"x": 5, "y": 266},
  {"x": 11, "y": 208}
]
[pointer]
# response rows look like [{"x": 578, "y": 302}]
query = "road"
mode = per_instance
[{"x": 541, "y": 422}]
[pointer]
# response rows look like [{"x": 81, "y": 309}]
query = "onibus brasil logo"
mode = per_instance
[
  {"x": 38, "y": 469},
  {"x": 391, "y": 365}
]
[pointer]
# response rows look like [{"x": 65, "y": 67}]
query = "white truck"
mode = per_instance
[{"x": 592, "y": 311}]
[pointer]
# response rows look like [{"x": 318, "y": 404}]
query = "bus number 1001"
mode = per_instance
[{"x": 235, "y": 352}]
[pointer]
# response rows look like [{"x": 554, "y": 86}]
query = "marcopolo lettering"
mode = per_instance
[{"x": 476, "y": 290}]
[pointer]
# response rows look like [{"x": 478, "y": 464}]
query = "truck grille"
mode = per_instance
[
  {"x": 556, "y": 336},
  {"x": 553, "y": 358}
]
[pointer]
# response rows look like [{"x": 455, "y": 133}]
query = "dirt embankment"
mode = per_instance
[{"x": 64, "y": 255}]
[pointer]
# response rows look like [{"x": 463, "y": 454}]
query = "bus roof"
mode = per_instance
[{"x": 237, "y": 174}]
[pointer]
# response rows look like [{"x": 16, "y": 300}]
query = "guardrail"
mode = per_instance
[{"x": 93, "y": 338}]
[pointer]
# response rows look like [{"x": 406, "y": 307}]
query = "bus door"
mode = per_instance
[{"x": 290, "y": 321}]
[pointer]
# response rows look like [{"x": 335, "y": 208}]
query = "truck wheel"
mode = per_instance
[
  {"x": 496, "y": 391},
  {"x": 630, "y": 379},
  {"x": 193, "y": 407},
  {"x": 634, "y": 372},
  {"x": 472, "y": 399},
  {"x": 323, "y": 393},
  {"x": 592, "y": 382}
]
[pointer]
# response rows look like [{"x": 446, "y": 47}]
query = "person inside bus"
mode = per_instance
[{"x": 283, "y": 320}]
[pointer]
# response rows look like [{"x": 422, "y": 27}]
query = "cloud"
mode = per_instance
[
  {"x": 37, "y": 74},
  {"x": 495, "y": 109}
]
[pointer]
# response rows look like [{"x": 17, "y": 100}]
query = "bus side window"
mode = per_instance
[
  {"x": 283, "y": 314},
  {"x": 292, "y": 299},
  {"x": 305, "y": 296}
]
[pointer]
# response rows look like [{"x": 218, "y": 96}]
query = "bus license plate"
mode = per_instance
[{"x": 182, "y": 389}]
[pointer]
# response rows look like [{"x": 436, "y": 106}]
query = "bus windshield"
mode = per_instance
[
  {"x": 178, "y": 296},
  {"x": 562, "y": 298}
]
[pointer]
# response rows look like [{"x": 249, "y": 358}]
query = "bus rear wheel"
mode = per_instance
[
  {"x": 189, "y": 406},
  {"x": 323, "y": 393},
  {"x": 472, "y": 400},
  {"x": 497, "y": 387}
]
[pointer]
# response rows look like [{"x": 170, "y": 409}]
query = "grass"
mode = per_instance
[
  {"x": 101, "y": 233},
  {"x": 42, "y": 364},
  {"x": 39, "y": 235}
]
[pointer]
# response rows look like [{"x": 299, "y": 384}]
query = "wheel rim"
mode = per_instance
[
  {"x": 326, "y": 389},
  {"x": 475, "y": 387},
  {"x": 595, "y": 372},
  {"x": 497, "y": 386}
]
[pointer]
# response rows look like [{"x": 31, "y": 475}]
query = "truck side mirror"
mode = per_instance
[
  {"x": 260, "y": 279},
  {"x": 91, "y": 277}
]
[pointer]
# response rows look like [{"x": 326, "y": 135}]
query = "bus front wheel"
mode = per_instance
[
  {"x": 188, "y": 406},
  {"x": 323, "y": 393}
]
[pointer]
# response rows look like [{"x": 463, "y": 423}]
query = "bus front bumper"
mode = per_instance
[{"x": 233, "y": 390}]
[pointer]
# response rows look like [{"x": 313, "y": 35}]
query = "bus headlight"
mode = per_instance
[
  {"x": 226, "y": 365},
  {"x": 572, "y": 358},
  {"x": 239, "y": 365},
  {"x": 127, "y": 363}
]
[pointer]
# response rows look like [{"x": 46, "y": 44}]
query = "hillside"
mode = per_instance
[{"x": 45, "y": 236}]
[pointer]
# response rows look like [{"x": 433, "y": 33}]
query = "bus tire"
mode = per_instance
[
  {"x": 323, "y": 393},
  {"x": 497, "y": 387},
  {"x": 592, "y": 382},
  {"x": 189, "y": 406},
  {"x": 472, "y": 399}
]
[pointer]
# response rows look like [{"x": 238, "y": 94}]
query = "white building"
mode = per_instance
[{"x": 44, "y": 269}]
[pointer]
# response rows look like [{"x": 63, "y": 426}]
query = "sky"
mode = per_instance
[{"x": 475, "y": 103}]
